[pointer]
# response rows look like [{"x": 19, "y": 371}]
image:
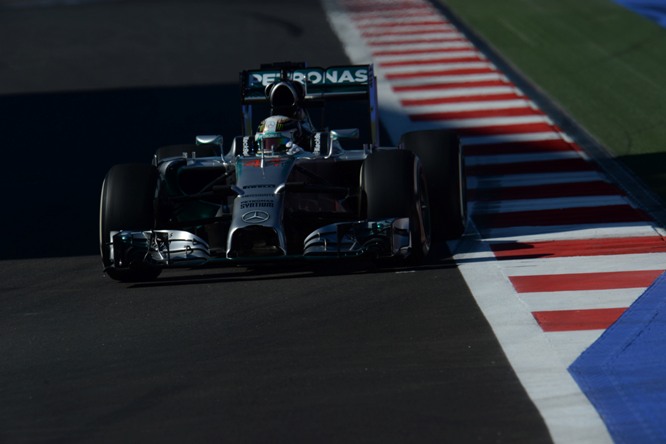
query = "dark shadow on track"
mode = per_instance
[
  {"x": 650, "y": 167},
  {"x": 58, "y": 148},
  {"x": 439, "y": 258}
]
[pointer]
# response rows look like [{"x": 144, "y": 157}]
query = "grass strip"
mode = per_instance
[{"x": 601, "y": 63}]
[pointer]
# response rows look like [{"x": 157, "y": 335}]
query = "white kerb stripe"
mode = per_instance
[
  {"x": 407, "y": 28},
  {"x": 451, "y": 78},
  {"x": 493, "y": 121},
  {"x": 396, "y": 38},
  {"x": 426, "y": 57},
  {"x": 569, "y": 232},
  {"x": 572, "y": 265},
  {"x": 471, "y": 91},
  {"x": 528, "y": 180},
  {"x": 581, "y": 300},
  {"x": 500, "y": 159},
  {"x": 391, "y": 18},
  {"x": 469, "y": 106},
  {"x": 511, "y": 138},
  {"x": 436, "y": 67},
  {"x": 423, "y": 46}
]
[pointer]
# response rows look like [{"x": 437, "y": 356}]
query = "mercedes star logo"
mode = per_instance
[{"x": 255, "y": 217}]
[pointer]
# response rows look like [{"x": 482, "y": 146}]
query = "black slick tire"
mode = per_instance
[
  {"x": 127, "y": 203},
  {"x": 442, "y": 159},
  {"x": 393, "y": 186}
]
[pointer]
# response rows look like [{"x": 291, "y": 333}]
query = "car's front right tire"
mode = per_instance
[
  {"x": 394, "y": 185},
  {"x": 441, "y": 155},
  {"x": 127, "y": 203}
]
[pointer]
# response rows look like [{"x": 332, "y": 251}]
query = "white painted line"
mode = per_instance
[
  {"x": 581, "y": 300},
  {"x": 554, "y": 203},
  {"x": 570, "y": 344},
  {"x": 567, "y": 412}
]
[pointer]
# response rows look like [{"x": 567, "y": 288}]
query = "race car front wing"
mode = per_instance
[{"x": 171, "y": 248}]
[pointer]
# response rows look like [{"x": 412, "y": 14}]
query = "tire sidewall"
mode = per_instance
[
  {"x": 126, "y": 203},
  {"x": 393, "y": 185}
]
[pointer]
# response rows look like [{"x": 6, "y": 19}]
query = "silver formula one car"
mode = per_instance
[{"x": 290, "y": 189}]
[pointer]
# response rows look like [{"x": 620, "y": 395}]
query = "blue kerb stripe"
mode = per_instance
[
  {"x": 652, "y": 9},
  {"x": 624, "y": 372}
]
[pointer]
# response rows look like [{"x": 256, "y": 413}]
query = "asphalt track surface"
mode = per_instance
[{"x": 328, "y": 352}]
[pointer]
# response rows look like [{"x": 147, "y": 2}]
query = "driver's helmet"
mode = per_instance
[{"x": 275, "y": 133}]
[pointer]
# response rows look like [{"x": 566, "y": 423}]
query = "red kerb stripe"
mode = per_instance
[
  {"x": 397, "y": 25},
  {"x": 584, "y": 281},
  {"x": 429, "y": 51},
  {"x": 418, "y": 41},
  {"x": 477, "y": 114},
  {"x": 463, "y": 99},
  {"x": 574, "y": 320},
  {"x": 396, "y": 31},
  {"x": 494, "y": 130},
  {"x": 535, "y": 146},
  {"x": 405, "y": 9},
  {"x": 449, "y": 85},
  {"x": 583, "y": 247},
  {"x": 461, "y": 59},
  {"x": 448, "y": 72},
  {"x": 543, "y": 166}
]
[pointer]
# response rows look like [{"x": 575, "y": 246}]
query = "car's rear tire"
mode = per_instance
[
  {"x": 127, "y": 203},
  {"x": 394, "y": 185},
  {"x": 442, "y": 159}
]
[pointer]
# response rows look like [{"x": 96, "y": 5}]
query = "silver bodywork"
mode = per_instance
[
  {"x": 260, "y": 188},
  {"x": 252, "y": 213}
]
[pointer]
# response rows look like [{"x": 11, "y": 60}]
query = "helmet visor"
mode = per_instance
[{"x": 274, "y": 144}]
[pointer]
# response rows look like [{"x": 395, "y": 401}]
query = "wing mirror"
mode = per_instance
[
  {"x": 347, "y": 133},
  {"x": 212, "y": 140},
  {"x": 208, "y": 140}
]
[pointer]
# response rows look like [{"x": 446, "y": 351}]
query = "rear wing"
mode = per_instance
[
  {"x": 352, "y": 82},
  {"x": 344, "y": 82}
]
